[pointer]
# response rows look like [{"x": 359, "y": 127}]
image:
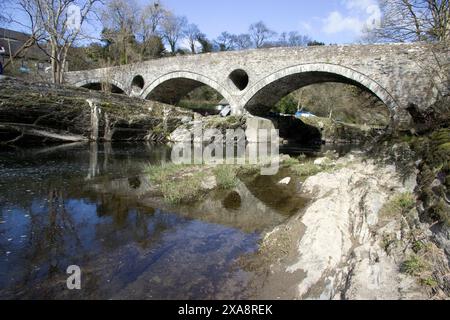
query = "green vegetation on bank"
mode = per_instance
[
  {"x": 434, "y": 178},
  {"x": 305, "y": 168},
  {"x": 423, "y": 260},
  {"x": 187, "y": 183}
]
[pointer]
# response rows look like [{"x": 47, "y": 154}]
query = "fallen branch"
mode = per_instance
[{"x": 33, "y": 130}]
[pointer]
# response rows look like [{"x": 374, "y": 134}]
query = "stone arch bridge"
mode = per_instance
[{"x": 396, "y": 73}]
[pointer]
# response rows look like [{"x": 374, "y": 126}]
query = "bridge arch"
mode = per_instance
[
  {"x": 93, "y": 82},
  {"x": 269, "y": 90},
  {"x": 171, "y": 87}
]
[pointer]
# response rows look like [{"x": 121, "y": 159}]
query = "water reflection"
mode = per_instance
[
  {"x": 86, "y": 205},
  {"x": 89, "y": 205}
]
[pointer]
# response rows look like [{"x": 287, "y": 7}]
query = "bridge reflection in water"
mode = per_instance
[{"x": 87, "y": 205}]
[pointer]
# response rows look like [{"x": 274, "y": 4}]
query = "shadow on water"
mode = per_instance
[{"x": 83, "y": 205}]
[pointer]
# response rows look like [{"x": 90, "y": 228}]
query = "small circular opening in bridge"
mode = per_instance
[
  {"x": 137, "y": 84},
  {"x": 239, "y": 78}
]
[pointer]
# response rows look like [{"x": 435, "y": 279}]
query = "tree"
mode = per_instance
[
  {"x": 120, "y": 22},
  {"x": 411, "y": 20},
  {"x": 315, "y": 43},
  {"x": 61, "y": 24},
  {"x": 192, "y": 33},
  {"x": 148, "y": 30},
  {"x": 293, "y": 39},
  {"x": 297, "y": 40},
  {"x": 225, "y": 41},
  {"x": 151, "y": 18},
  {"x": 4, "y": 17},
  {"x": 243, "y": 41},
  {"x": 287, "y": 105},
  {"x": 260, "y": 33},
  {"x": 207, "y": 46},
  {"x": 36, "y": 30},
  {"x": 172, "y": 29}
]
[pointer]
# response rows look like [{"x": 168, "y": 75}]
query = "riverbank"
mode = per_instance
[
  {"x": 359, "y": 235},
  {"x": 42, "y": 113},
  {"x": 359, "y": 238}
]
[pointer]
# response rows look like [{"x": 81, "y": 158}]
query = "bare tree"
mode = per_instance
[
  {"x": 225, "y": 41},
  {"x": 151, "y": 17},
  {"x": 172, "y": 29},
  {"x": 260, "y": 33},
  {"x": 297, "y": 40},
  {"x": 293, "y": 39},
  {"x": 61, "y": 23},
  {"x": 120, "y": 22},
  {"x": 35, "y": 28},
  {"x": 148, "y": 29},
  {"x": 192, "y": 33},
  {"x": 4, "y": 16},
  {"x": 243, "y": 41},
  {"x": 411, "y": 20}
]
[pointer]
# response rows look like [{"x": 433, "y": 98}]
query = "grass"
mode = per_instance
[
  {"x": 429, "y": 282},
  {"x": 183, "y": 183},
  {"x": 414, "y": 265},
  {"x": 306, "y": 169},
  {"x": 400, "y": 205},
  {"x": 183, "y": 190},
  {"x": 226, "y": 176},
  {"x": 177, "y": 182},
  {"x": 161, "y": 173}
]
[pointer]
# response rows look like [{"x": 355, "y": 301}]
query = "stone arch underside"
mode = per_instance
[
  {"x": 268, "y": 91},
  {"x": 171, "y": 87},
  {"x": 96, "y": 84}
]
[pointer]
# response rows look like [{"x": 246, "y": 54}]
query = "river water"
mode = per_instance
[{"x": 86, "y": 205}]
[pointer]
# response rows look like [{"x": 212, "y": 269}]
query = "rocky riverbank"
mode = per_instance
[
  {"x": 359, "y": 238},
  {"x": 43, "y": 113}
]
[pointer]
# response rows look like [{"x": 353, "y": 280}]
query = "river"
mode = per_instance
[{"x": 85, "y": 205}]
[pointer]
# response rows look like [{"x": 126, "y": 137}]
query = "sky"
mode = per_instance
[{"x": 329, "y": 21}]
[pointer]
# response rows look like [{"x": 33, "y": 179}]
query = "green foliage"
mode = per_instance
[
  {"x": 434, "y": 150},
  {"x": 418, "y": 246},
  {"x": 430, "y": 282},
  {"x": 315, "y": 43},
  {"x": 177, "y": 183},
  {"x": 291, "y": 161},
  {"x": 286, "y": 105},
  {"x": 413, "y": 266},
  {"x": 182, "y": 190},
  {"x": 400, "y": 204},
  {"x": 306, "y": 169},
  {"x": 226, "y": 176},
  {"x": 163, "y": 172}
]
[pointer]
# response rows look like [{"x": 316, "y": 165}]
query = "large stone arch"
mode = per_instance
[
  {"x": 172, "y": 86},
  {"x": 272, "y": 88},
  {"x": 90, "y": 81}
]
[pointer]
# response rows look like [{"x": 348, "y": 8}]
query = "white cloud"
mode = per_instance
[
  {"x": 358, "y": 4},
  {"x": 359, "y": 14},
  {"x": 306, "y": 26},
  {"x": 336, "y": 22}
]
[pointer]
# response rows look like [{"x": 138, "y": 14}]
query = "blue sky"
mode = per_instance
[{"x": 331, "y": 21}]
